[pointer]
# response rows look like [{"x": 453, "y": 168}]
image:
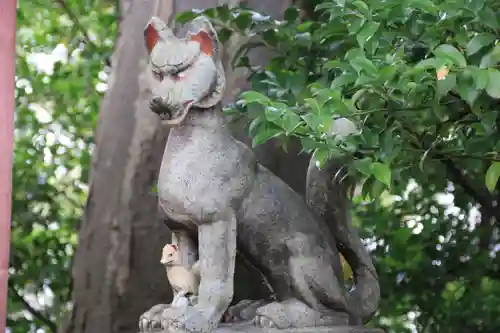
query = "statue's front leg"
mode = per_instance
[{"x": 217, "y": 253}]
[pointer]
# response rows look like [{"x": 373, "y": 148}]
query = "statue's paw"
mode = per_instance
[
  {"x": 294, "y": 313},
  {"x": 244, "y": 310},
  {"x": 265, "y": 322},
  {"x": 272, "y": 315},
  {"x": 190, "y": 320},
  {"x": 151, "y": 319}
]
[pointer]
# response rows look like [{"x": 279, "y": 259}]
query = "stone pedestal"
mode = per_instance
[{"x": 250, "y": 328}]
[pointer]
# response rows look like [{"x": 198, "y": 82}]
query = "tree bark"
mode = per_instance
[{"x": 116, "y": 273}]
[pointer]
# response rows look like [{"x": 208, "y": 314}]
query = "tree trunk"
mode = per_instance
[{"x": 117, "y": 274}]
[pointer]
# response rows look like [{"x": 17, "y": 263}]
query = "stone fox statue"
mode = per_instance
[{"x": 212, "y": 185}]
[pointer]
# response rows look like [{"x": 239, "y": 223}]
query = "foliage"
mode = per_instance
[
  {"x": 61, "y": 52},
  {"x": 416, "y": 84}
]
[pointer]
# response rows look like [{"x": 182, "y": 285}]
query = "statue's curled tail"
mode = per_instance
[{"x": 327, "y": 189}]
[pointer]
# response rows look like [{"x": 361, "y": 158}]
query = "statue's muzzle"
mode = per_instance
[{"x": 170, "y": 113}]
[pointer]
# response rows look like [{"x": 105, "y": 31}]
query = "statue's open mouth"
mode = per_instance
[
  {"x": 165, "y": 114},
  {"x": 173, "y": 115}
]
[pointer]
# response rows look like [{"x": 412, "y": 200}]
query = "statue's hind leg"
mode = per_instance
[{"x": 315, "y": 297}]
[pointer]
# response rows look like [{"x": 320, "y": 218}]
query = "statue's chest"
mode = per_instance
[
  {"x": 199, "y": 176},
  {"x": 192, "y": 174}
]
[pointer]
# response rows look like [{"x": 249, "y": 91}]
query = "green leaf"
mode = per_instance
[
  {"x": 478, "y": 42},
  {"x": 491, "y": 59},
  {"x": 362, "y": 63},
  {"x": 489, "y": 18},
  {"x": 273, "y": 114},
  {"x": 492, "y": 175},
  {"x": 254, "y": 125},
  {"x": 367, "y": 185},
  {"x": 363, "y": 9},
  {"x": 382, "y": 172},
  {"x": 309, "y": 144},
  {"x": 430, "y": 63},
  {"x": 243, "y": 21},
  {"x": 313, "y": 104},
  {"x": 223, "y": 13},
  {"x": 446, "y": 85},
  {"x": 291, "y": 14},
  {"x": 364, "y": 165},
  {"x": 467, "y": 91},
  {"x": 493, "y": 87},
  {"x": 325, "y": 5},
  {"x": 343, "y": 80},
  {"x": 185, "y": 16},
  {"x": 480, "y": 77},
  {"x": 291, "y": 121},
  {"x": 254, "y": 97},
  {"x": 335, "y": 64},
  {"x": 210, "y": 12},
  {"x": 377, "y": 190},
  {"x": 450, "y": 52},
  {"x": 270, "y": 37},
  {"x": 265, "y": 134},
  {"x": 355, "y": 24},
  {"x": 367, "y": 32},
  {"x": 224, "y": 34},
  {"x": 388, "y": 142},
  {"x": 425, "y": 5}
]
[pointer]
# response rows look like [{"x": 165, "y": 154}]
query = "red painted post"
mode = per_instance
[{"x": 7, "y": 91}]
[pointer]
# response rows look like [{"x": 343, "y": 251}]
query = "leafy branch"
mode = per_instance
[
  {"x": 73, "y": 17},
  {"x": 35, "y": 313},
  {"x": 76, "y": 21},
  {"x": 480, "y": 195}
]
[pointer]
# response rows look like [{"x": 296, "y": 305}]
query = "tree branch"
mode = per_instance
[
  {"x": 73, "y": 17},
  {"x": 49, "y": 323},
  {"x": 482, "y": 196},
  {"x": 76, "y": 22}
]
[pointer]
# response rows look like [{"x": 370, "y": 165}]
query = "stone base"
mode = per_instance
[{"x": 248, "y": 327}]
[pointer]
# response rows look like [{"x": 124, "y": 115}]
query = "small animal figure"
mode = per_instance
[{"x": 184, "y": 280}]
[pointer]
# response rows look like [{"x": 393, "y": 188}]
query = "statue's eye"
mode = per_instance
[
  {"x": 158, "y": 75},
  {"x": 178, "y": 75}
]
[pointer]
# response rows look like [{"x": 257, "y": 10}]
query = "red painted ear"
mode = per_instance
[
  {"x": 151, "y": 37},
  {"x": 205, "y": 41}
]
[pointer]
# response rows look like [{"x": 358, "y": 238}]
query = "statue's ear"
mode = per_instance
[
  {"x": 152, "y": 32},
  {"x": 173, "y": 246},
  {"x": 202, "y": 31},
  {"x": 206, "y": 43},
  {"x": 151, "y": 37}
]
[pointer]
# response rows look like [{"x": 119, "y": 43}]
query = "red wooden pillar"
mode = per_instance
[{"x": 7, "y": 86}]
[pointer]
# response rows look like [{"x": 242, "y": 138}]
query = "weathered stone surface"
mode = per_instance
[{"x": 248, "y": 327}]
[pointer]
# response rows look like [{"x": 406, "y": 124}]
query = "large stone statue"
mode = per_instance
[{"x": 221, "y": 202}]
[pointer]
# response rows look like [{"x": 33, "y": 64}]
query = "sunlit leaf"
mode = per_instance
[{"x": 492, "y": 175}]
